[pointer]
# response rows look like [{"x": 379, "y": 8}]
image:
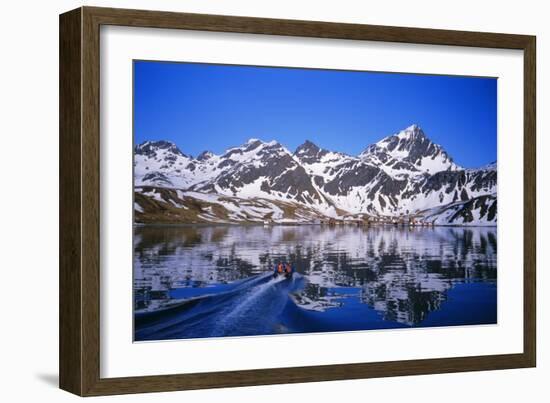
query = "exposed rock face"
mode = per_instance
[
  {"x": 349, "y": 175},
  {"x": 309, "y": 153},
  {"x": 204, "y": 156},
  {"x": 158, "y": 178},
  {"x": 402, "y": 174},
  {"x": 481, "y": 209}
]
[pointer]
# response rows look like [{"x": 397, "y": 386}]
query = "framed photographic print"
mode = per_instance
[{"x": 239, "y": 193}]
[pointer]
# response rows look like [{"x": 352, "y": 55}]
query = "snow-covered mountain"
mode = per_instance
[
  {"x": 402, "y": 175},
  {"x": 408, "y": 153}
]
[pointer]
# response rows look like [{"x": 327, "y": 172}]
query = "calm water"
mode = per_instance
[{"x": 211, "y": 281}]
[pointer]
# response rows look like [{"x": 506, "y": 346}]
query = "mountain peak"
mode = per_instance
[
  {"x": 149, "y": 148},
  {"x": 410, "y": 139},
  {"x": 413, "y": 127},
  {"x": 309, "y": 152},
  {"x": 409, "y": 149},
  {"x": 205, "y": 155},
  {"x": 413, "y": 131},
  {"x": 307, "y": 147},
  {"x": 253, "y": 143}
]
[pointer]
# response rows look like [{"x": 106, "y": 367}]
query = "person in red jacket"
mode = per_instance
[
  {"x": 279, "y": 270},
  {"x": 288, "y": 270}
]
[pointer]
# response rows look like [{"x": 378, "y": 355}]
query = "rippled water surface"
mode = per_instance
[{"x": 212, "y": 281}]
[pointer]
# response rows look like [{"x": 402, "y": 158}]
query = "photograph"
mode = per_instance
[{"x": 272, "y": 200}]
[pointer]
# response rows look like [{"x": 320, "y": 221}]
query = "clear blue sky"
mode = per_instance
[{"x": 213, "y": 107}]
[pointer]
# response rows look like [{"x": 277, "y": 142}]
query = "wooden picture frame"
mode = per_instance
[{"x": 80, "y": 199}]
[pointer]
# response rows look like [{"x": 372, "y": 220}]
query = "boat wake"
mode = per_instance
[{"x": 253, "y": 306}]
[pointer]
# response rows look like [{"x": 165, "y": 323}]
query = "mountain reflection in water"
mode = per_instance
[{"x": 205, "y": 281}]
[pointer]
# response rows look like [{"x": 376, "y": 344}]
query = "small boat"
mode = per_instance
[{"x": 285, "y": 275}]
